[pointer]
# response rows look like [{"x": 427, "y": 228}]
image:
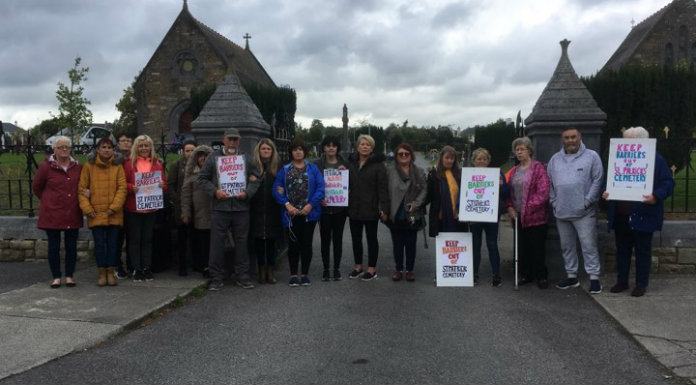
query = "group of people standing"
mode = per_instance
[
  {"x": 571, "y": 186},
  {"x": 103, "y": 190},
  {"x": 289, "y": 200}
]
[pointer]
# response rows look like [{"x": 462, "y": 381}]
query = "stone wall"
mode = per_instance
[
  {"x": 674, "y": 248},
  {"x": 20, "y": 241}
]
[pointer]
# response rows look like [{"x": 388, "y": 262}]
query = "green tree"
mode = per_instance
[
  {"x": 316, "y": 132},
  {"x": 127, "y": 106},
  {"x": 46, "y": 128},
  {"x": 72, "y": 105},
  {"x": 652, "y": 97},
  {"x": 496, "y": 138}
]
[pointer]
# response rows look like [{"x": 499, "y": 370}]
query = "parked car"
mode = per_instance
[{"x": 88, "y": 138}]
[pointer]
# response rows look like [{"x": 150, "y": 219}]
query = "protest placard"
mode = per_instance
[
  {"x": 149, "y": 195},
  {"x": 453, "y": 260},
  {"x": 630, "y": 169},
  {"x": 336, "y": 187},
  {"x": 232, "y": 174},
  {"x": 479, "y": 194}
]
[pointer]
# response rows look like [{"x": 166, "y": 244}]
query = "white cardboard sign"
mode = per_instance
[
  {"x": 232, "y": 174},
  {"x": 149, "y": 195},
  {"x": 336, "y": 187},
  {"x": 478, "y": 194},
  {"x": 453, "y": 260},
  {"x": 631, "y": 167}
]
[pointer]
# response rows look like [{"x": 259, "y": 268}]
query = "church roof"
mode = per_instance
[
  {"x": 565, "y": 97},
  {"x": 245, "y": 64},
  {"x": 241, "y": 60},
  {"x": 636, "y": 37}
]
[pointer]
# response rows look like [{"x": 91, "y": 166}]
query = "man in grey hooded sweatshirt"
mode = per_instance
[{"x": 575, "y": 176}]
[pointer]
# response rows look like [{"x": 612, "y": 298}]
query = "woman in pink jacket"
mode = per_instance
[{"x": 528, "y": 205}]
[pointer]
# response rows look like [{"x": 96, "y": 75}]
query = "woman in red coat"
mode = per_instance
[
  {"x": 141, "y": 220},
  {"x": 55, "y": 184}
]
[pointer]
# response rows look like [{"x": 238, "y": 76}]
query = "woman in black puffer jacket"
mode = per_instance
[{"x": 368, "y": 203}]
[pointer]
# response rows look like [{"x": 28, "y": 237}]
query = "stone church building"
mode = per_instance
[
  {"x": 190, "y": 56},
  {"x": 668, "y": 37}
]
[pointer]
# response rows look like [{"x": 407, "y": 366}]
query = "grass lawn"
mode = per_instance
[{"x": 15, "y": 187}]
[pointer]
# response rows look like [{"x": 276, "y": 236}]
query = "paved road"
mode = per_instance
[{"x": 370, "y": 332}]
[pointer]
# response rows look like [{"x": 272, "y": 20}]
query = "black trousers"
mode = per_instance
[
  {"x": 265, "y": 251},
  {"x": 140, "y": 238},
  {"x": 201, "y": 247},
  {"x": 183, "y": 241},
  {"x": 300, "y": 236},
  {"x": 532, "y": 251},
  {"x": 331, "y": 230},
  {"x": 356, "y": 228}
]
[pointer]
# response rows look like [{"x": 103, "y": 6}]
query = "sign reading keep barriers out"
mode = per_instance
[
  {"x": 149, "y": 195},
  {"x": 232, "y": 174},
  {"x": 453, "y": 260},
  {"x": 478, "y": 195},
  {"x": 336, "y": 187},
  {"x": 631, "y": 167}
]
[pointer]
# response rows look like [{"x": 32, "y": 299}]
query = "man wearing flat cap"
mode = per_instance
[{"x": 229, "y": 213}]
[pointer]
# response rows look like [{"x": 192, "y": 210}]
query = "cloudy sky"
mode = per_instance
[{"x": 458, "y": 62}]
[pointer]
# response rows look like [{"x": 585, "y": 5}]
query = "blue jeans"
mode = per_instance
[
  {"x": 627, "y": 241},
  {"x": 491, "y": 230},
  {"x": 106, "y": 250},
  {"x": 54, "y": 251}
]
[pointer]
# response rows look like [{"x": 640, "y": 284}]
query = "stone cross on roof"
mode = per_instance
[{"x": 247, "y": 37}]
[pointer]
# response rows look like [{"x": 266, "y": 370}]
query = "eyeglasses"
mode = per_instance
[
  {"x": 63, "y": 148},
  {"x": 403, "y": 154}
]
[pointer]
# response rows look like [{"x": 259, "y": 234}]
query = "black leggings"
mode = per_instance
[
  {"x": 356, "y": 227},
  {"x": 331, "y": 229},
  {"x": 300, "y": 236}
]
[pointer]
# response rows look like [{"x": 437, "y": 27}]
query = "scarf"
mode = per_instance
[{"x": 415, "y": 178}]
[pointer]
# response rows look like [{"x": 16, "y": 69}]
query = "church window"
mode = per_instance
[
  {"x": 669, "y": 55},
  {"x": 683, "y": 42},
  {"x": 186, "y": 64}
]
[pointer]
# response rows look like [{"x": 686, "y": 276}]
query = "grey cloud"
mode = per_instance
[{"x": 453, "y": 14}]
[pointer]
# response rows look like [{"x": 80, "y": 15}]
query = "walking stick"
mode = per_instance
[{"x": 516, "y": 280}]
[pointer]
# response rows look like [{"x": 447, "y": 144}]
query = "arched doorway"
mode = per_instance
[
  {"x": 179, "y": 119},
  {"x": 185, "y": 121}
]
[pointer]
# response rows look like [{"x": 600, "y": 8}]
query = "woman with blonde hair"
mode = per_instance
[
  {"x": 482, "y": 158},
  {"x": 265, "y": 212},
  {"x": 141, "y": 223},
  {"x": 368, "y": 203}
]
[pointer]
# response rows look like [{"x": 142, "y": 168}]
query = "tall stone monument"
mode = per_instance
[
  {"x": 230, "y": 107},
  {"x": 345, "y": 141},
  {"x": 565, "y": 102}
]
